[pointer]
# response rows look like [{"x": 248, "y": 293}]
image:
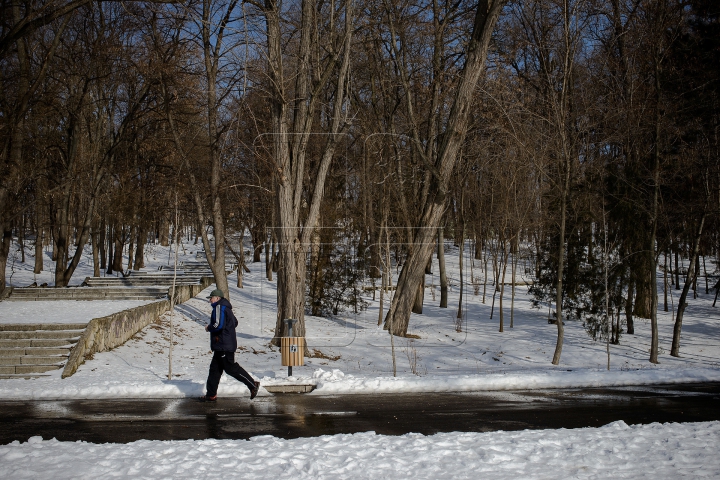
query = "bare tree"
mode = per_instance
[
  {"x": 441, "y": 164},
  {"x": 319, "y": 70}
]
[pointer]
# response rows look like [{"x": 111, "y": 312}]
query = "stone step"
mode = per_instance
[
  {"x": 89, "y": 293},
  {"x": 60, "y": 291},
  {"x": 13, "y": 352},
  {"x": 33, "y": 360},
  {"x": 34, "y": 342},
  {"x": 162, "y": 275},
  {"x": 21, "y": 376},
  {"x": 139, "y": 282},
  {"x": 41, "y": 326},
  {"x": 83, "y": 291},
  {"x": 28, "y": 350},
  {"x": 39, "y": 334},
  {"x": 138, "y": 298},
  {"x": 24, "y": 369}
]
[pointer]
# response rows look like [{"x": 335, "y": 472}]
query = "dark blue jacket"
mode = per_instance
[{"x": 222, "y": 327}]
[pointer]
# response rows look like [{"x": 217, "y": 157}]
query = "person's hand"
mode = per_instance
[{"x": 206, "y": 328}]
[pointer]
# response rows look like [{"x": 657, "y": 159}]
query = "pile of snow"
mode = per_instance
[{"x": 613, "y": 451}]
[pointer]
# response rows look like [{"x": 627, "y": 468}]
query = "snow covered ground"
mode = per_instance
[
  {"x": 614, "y": 451},
  {"x": 351, "y": 355},
  {"x": 62, "y": 311}
]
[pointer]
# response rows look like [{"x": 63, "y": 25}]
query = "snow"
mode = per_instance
[
  {"x": 353, "y": 356},
  {"x": 614, "y": 451},
  {"x": 62, "y": 311}
]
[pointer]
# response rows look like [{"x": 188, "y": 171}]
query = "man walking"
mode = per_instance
[{"x": 223, "y": 343}]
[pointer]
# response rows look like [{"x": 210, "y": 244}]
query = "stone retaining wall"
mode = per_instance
[{"x": 105, "y": 333}]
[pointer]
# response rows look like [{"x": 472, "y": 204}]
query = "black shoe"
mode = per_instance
[
  {"x": 206, "y": 398},
  {"x": 254, "y": 391}
]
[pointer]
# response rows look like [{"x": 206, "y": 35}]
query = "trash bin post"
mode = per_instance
[{"x": 290, "y": 346}]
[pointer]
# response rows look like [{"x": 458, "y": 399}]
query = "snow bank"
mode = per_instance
[
  {"x": 613, "y": 451},
  {"x": 336, "y": 382}
]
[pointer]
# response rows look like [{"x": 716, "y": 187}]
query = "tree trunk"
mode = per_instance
[
  {"x": 268, "y": 263},
  {"x": 643, "y": 296},
  {"x": 4, "y": 251},
  {"x": 629, "y": 307},
  {"x": 315, "y": 287},
  {"x": 39, "y": 237},
  {"x": 561, "y": 266},
  {"x": 443, "y": 272},
  {"x": 692, "y": 276},
  {"x": 655, "y": 219},
  {"x": 461, "y": 251},
  {"x": 485, "y": 270},
  {"x": 516, "y": 250},
  {"x": 419, "y": 297},
  {"x": 257, "y": 251},
  {"x": 291, "y": 123},
  {"x": 290, "y": 285},
  {"x": 677, "y": 268},
  {"x": 103, "y": 246},
  {"x": 669, "y": 253},
  {"x": 140, "y": 250},
  {"x": 21, "y": 238},
  {"x": 111, "y": 255},
  {"x": 164, "y": 231},
  {"x": 95, "y": 236},
  {"x": 486, "y": 16},
  {"x": 131, "y": 246},
  {"x": 386, "y": 271},
  {"x": 119, "y": 245},
  {"x": 665, "y": 283}
]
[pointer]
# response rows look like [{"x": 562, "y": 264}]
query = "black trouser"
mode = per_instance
[{"x": 225, "y": 362}]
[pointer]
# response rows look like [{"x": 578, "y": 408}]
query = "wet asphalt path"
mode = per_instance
[{"x": 296, "y": 415}]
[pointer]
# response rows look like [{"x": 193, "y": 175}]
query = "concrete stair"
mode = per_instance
[
  {"x": 89, "y": 293},
  {"x": 31, "y": 350},
  {"x": 200, "y": 268},
  {"x": 142, "y": 281}
]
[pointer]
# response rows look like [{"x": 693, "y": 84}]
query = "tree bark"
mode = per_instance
[
  {"x": 516, "y": 250},
  {"x": 655, "y": 218},
  {"x": 140, "y": 250},
  {"x": 103, "y": 246},
  {"x": 119, "y": 246},
  {"x": 419, "y": 297},
  {"x": 629, "y": 307},
  {"x": 677, "y": 268},
  {"x": 692, "y": 276},
  {"x": 39, "y": 238},
  {"x": 111, "y": 258},
  {"x": 95, "y": 237},
  {"x": 502, "y": 286},
  {"x": 443, "y": 272},
  {"x": 461, "y": 248},
  {"x": 164, "y": 231},
  {"x": 291, "y": 126},
  {"x": 486, "y": 16}
]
